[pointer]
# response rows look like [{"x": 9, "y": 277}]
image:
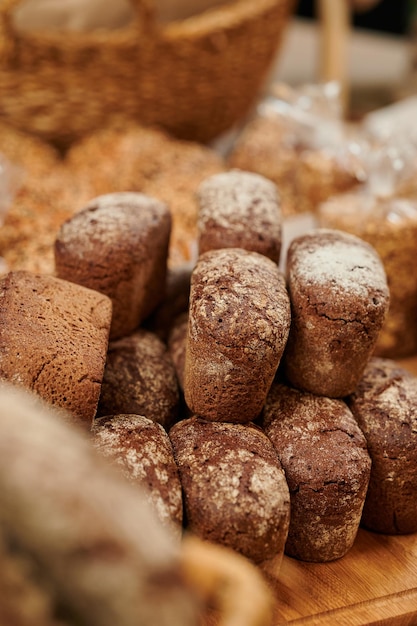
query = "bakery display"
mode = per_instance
[
  {"x": 389, "y": 224},
  {"x": 239, "y": 209},
  {"x": 239, "y": 319},
  {"x": 141, "y": 450},
  {"x": 229, "y": 341},
  {"x": 118, "y": 245},
  {"x": 235, "y": 492},
  {"x": 327, "y": 466},
  {"x": 53, "y": 340},
  {"x": 140, "y": 379},
  {"x": 384, "y": 405},
  {"x": 339, "y": 300}
]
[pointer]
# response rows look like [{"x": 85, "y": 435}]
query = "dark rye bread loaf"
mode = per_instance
[
  {"x": 141, "y": 449},
  {"x": 118, "y": 245},
  {"x": 234, "y": 488},
  {"x": 140, "y": 379},
  {"x": 384, "y": 404},
  {"x": 53, "y": 340},
  {"x": 239, "y": 320},
  {"x": 327, "y": 466},
  {"x": 239, "y": 210},
  {"x": 339, "y": 299}
]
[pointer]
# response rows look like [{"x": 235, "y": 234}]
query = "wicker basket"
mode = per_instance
[{"x": 195, "y": 77}]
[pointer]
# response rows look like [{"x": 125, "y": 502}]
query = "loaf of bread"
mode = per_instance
[
  {"x": 141, "y": 449},
  {"x": 390, "y": 226},
  {"x": 96, "y": 538},
  {"x": 53, "y": 340},
  {"x": 239, "y": 321},
  {"x": 118, "y": 245},
  {"x": 327, "y": 467},
  {"x": 239, "y": 210},
  {"x": 235, "y": 492},
  {"x": 140, "y": 379},
  {"x": 384, "y": 405},
  {"x": 339, "y": 300}
]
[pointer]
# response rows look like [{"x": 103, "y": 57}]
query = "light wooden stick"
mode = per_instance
[{"x": 335, "y": 19}]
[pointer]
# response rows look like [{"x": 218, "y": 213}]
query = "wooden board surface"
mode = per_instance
[{"x": 375, "y": 583}]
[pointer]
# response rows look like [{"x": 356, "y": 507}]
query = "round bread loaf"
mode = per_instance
[
  {"x": 339, "y": 298},
  {"x": 327, "y": 466},
  {"x": 239, "y": 210},
  {"x": 239, "y": 321},
  {"x": 118, "y": 245},
  {"x": 53, "y": 340},
  {"x": 384, "y": 404},
  {"x": 140, "y": 379},
  {"x": 143, "y": 452},
  {"x": 234, "y": 488}
]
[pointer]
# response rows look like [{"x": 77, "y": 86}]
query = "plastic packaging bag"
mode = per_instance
[{"x": 299, "y": 140}]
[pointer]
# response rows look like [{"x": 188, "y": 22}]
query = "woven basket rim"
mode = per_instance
[{"x": 217, "y": 18}]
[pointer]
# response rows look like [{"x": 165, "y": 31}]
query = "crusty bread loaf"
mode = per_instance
[
  {"x": 239, "y": 209},
  {"x": 141, "y": 449},
  {"x": 235, "y": 491},
  {"x": 118, "y": 245},
  {"x": 140, "y": 379},
  {"x": 239, "y": 321},
  {"x": 327, "y": 466},
  {"x": 384, "y": 404},
  {"x": 339, "y": 299},
  {"x": 54, "y": 339}
]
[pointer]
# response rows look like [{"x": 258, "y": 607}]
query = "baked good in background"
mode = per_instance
[
  {"x": 384, "y": 405},
  {"x": 239, "y": 320},
  {"x": 339, "y": 300},
  {"x": 118, "y": 245},
  {"x": 140, "y": 448},
  {"x": 304, "y": 175},
  {"x": 53, "y": 340},
  {"x": 140, "y": 379},
  {"x": 239, "y": 209},
  {"x": 235, "y": 492},
  {"x": 389, "y": 224},
  {"x": 327, "y": 466},
  {"x": 117, "y": 159}
]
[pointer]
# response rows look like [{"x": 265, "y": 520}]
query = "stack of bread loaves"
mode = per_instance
[{"x": 237, "y": 395}]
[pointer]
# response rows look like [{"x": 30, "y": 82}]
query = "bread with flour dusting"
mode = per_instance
[
  {"x": 141, "y": 449},
  {"x": 238, "y": 325},
  {"x": 339, "y": 299},
  {"x": 240, "y": 209},
  {"x": 118, "y": 245},
  {"x": 235, "y": 492},
  {"x": 327, "y": 466},
  {"x": 384, "y": 404}
]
